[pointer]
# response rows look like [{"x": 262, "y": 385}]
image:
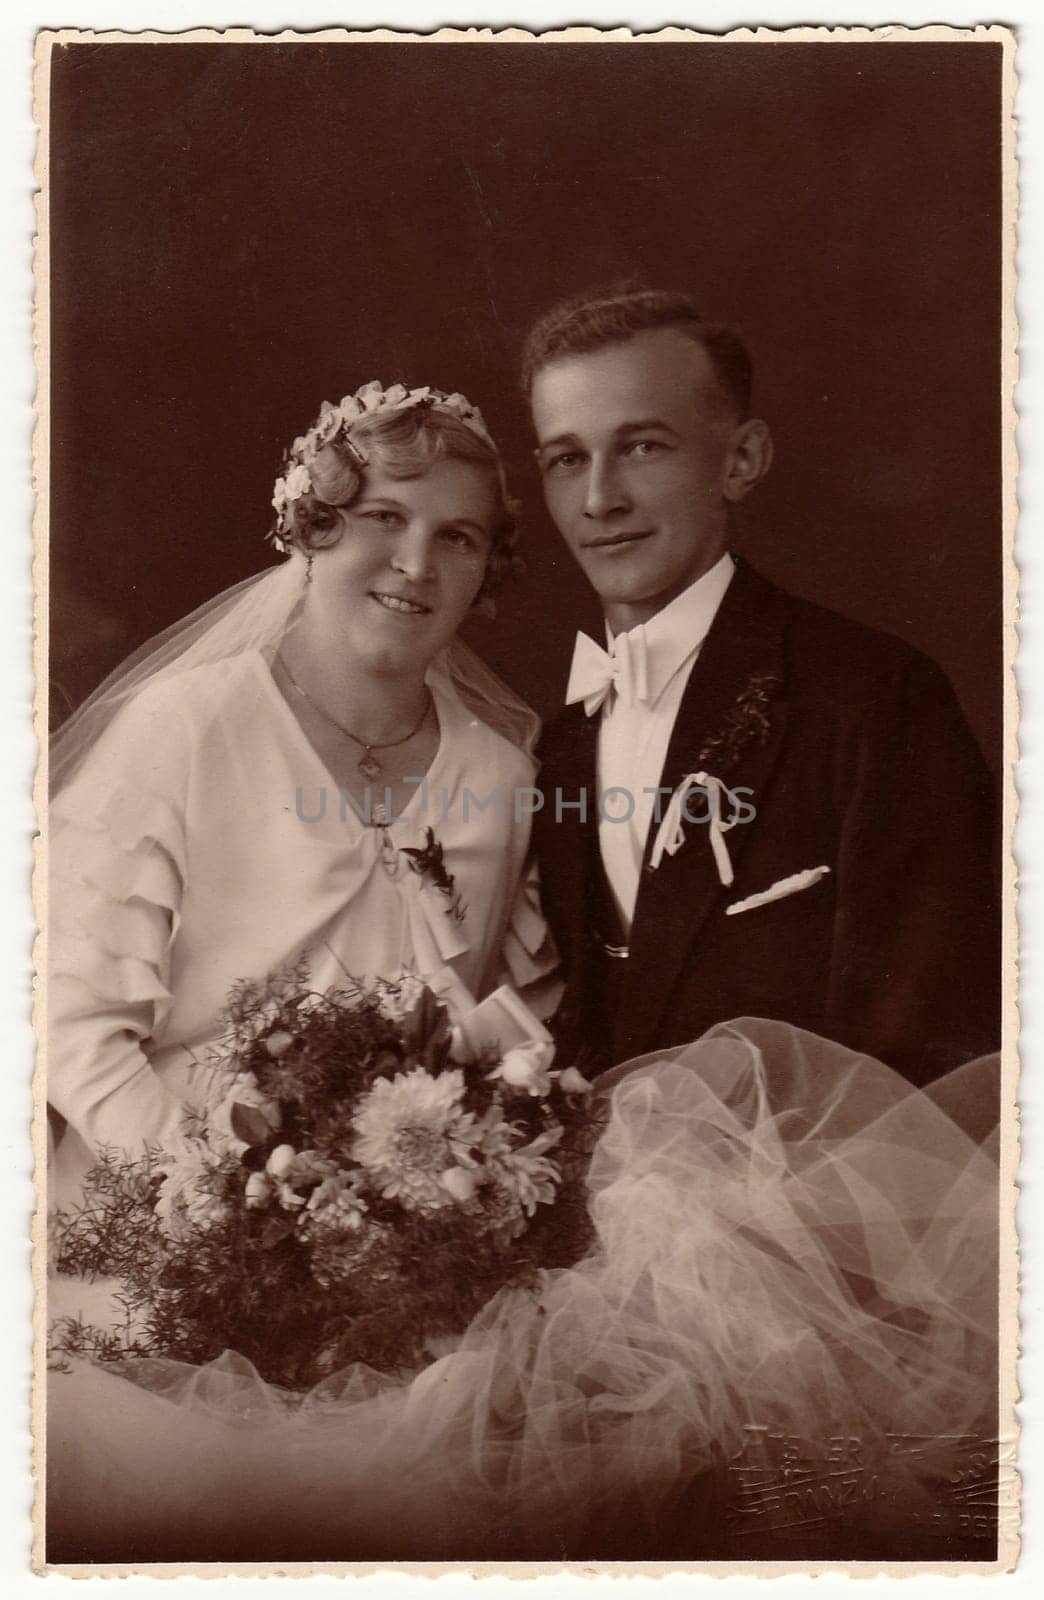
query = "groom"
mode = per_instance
[{"x": 751, "y": 806}]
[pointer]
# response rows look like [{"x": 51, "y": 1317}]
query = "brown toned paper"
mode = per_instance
[{"x": 230, "y": 225}]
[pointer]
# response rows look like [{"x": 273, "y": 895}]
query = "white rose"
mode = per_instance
[
  {"x": 243, "y": 1091},
  {"x": 574, "y": 1082},
  {"x": 259, "y": 1191},
  {"x": 280, "y": 1162},
  {"x": 459, "y": 1183},
  {"x": 278, "y": 1043},
  {"x": 526, "y": 1066},
  {"x": 395, "y": 395},
  {"x": 288, "y": 1167}
]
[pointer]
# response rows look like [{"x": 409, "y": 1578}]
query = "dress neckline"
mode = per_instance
[{"x": 326, "y": 776}]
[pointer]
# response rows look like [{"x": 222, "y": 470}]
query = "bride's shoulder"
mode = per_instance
[
  {"x": 201, "y": 692},
  {"x": 489, "y": 751},
  {"x": 176, "y": 710},
  {"x": 166, "y": 733}
]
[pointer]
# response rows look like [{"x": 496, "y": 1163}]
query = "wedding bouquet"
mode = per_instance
[{"x": 362, "y": 1179}]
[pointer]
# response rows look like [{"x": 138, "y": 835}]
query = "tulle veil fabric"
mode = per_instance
[
  {"x": 255, "y": 615},
  {"x": 790, "y": 1240}
]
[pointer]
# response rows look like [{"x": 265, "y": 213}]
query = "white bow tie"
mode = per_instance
[{"x": 595, "y": 671}]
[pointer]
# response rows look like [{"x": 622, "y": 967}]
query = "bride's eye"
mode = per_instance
[
  {"x": 381, "y": 517},
  {"x": 459, "y": 538}
]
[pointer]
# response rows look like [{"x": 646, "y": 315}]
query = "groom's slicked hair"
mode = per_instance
[{"x": 587, "y": 322}]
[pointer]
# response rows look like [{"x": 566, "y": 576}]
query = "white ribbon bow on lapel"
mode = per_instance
[
  {"x": 671, "y": 835},
  {"x": 595, "y": 671}
]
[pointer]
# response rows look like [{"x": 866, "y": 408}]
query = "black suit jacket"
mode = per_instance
[{"x": 857, "y": 758}]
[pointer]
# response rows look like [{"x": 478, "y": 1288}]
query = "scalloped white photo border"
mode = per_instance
[{"x": 16, "y": 35}]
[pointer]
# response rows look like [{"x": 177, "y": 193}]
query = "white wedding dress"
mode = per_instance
[
  {"x": 794, "y": 1251},
  {"x": 203, "y": 842}
]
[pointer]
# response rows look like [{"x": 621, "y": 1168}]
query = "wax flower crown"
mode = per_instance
[{"x": 334, "y": 424}]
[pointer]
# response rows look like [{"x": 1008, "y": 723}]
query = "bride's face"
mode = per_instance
[{"x": 409, "y": 564}]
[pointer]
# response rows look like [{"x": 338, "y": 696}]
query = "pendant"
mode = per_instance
[{"x": 369, "y": 766}]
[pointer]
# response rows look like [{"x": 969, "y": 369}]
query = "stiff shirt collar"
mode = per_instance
[{"x": 673, "y": 634}]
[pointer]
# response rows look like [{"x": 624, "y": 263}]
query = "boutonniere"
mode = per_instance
[
  {"x": 671, "y": 835},
  {"x": 428, "y": 863},
  {"x": 748, "y": 721}
]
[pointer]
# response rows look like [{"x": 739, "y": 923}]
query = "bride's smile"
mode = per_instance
[{"x": 400, "y": 603}]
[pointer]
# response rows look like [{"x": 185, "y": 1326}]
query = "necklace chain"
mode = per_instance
[{"x": 367, "y": 764}]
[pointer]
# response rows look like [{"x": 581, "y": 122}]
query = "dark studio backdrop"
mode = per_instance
[{"x": 240, "y": 231}]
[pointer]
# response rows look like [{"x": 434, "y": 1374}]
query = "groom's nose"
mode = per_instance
[{"x": 604, "y": 491}]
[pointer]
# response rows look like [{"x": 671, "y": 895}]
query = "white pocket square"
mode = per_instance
[{"x": 779, "y": 891}]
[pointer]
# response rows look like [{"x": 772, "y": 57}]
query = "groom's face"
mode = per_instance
[{"x": 635, "y": 445}]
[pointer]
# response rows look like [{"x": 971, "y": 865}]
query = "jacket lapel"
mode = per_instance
[{"x": 730, "y": 724}]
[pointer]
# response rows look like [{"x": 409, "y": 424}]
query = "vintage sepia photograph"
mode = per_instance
[{"x": 527, "y": 1028}]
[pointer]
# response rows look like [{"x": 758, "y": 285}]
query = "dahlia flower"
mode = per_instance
[{"x": 409, "y": 1130}]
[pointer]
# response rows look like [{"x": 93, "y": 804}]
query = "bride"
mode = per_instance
[
  {"x": 246, "y": 793},
  {"x": 791, "y": 1245}
]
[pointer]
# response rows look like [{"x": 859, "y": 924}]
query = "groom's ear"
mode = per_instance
[
  {"x": 485, "y": 606},
  {"x": 749, "y": 458}
]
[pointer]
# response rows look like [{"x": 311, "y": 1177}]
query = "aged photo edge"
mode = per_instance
[{"x": 1009, "y": 1542}]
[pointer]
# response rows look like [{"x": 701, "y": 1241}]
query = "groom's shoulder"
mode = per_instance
[{"x": 827, "y": 649}]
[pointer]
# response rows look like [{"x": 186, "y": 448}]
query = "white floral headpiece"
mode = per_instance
[{"x": 334, "y": 422}]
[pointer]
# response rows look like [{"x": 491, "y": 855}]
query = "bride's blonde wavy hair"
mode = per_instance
[{"x": 404, "y": 444}]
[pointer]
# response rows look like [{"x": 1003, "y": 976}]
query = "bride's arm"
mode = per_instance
[
  {"x": 115, "y": 882},
  {"x": 529, "y": 960},
  {"x": 98, "y": 1076}
]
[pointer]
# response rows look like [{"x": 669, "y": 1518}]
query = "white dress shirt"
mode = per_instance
[{"x": 634, "y": 735}]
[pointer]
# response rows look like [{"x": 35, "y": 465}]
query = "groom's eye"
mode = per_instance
[
  {"x": 563, "y": 461},
  {"x": 644, "y": 448}
]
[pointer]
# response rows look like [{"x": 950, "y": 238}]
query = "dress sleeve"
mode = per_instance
[
  {"x": 117, "y": 870},
  {"x": 529, "y": 957}
]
